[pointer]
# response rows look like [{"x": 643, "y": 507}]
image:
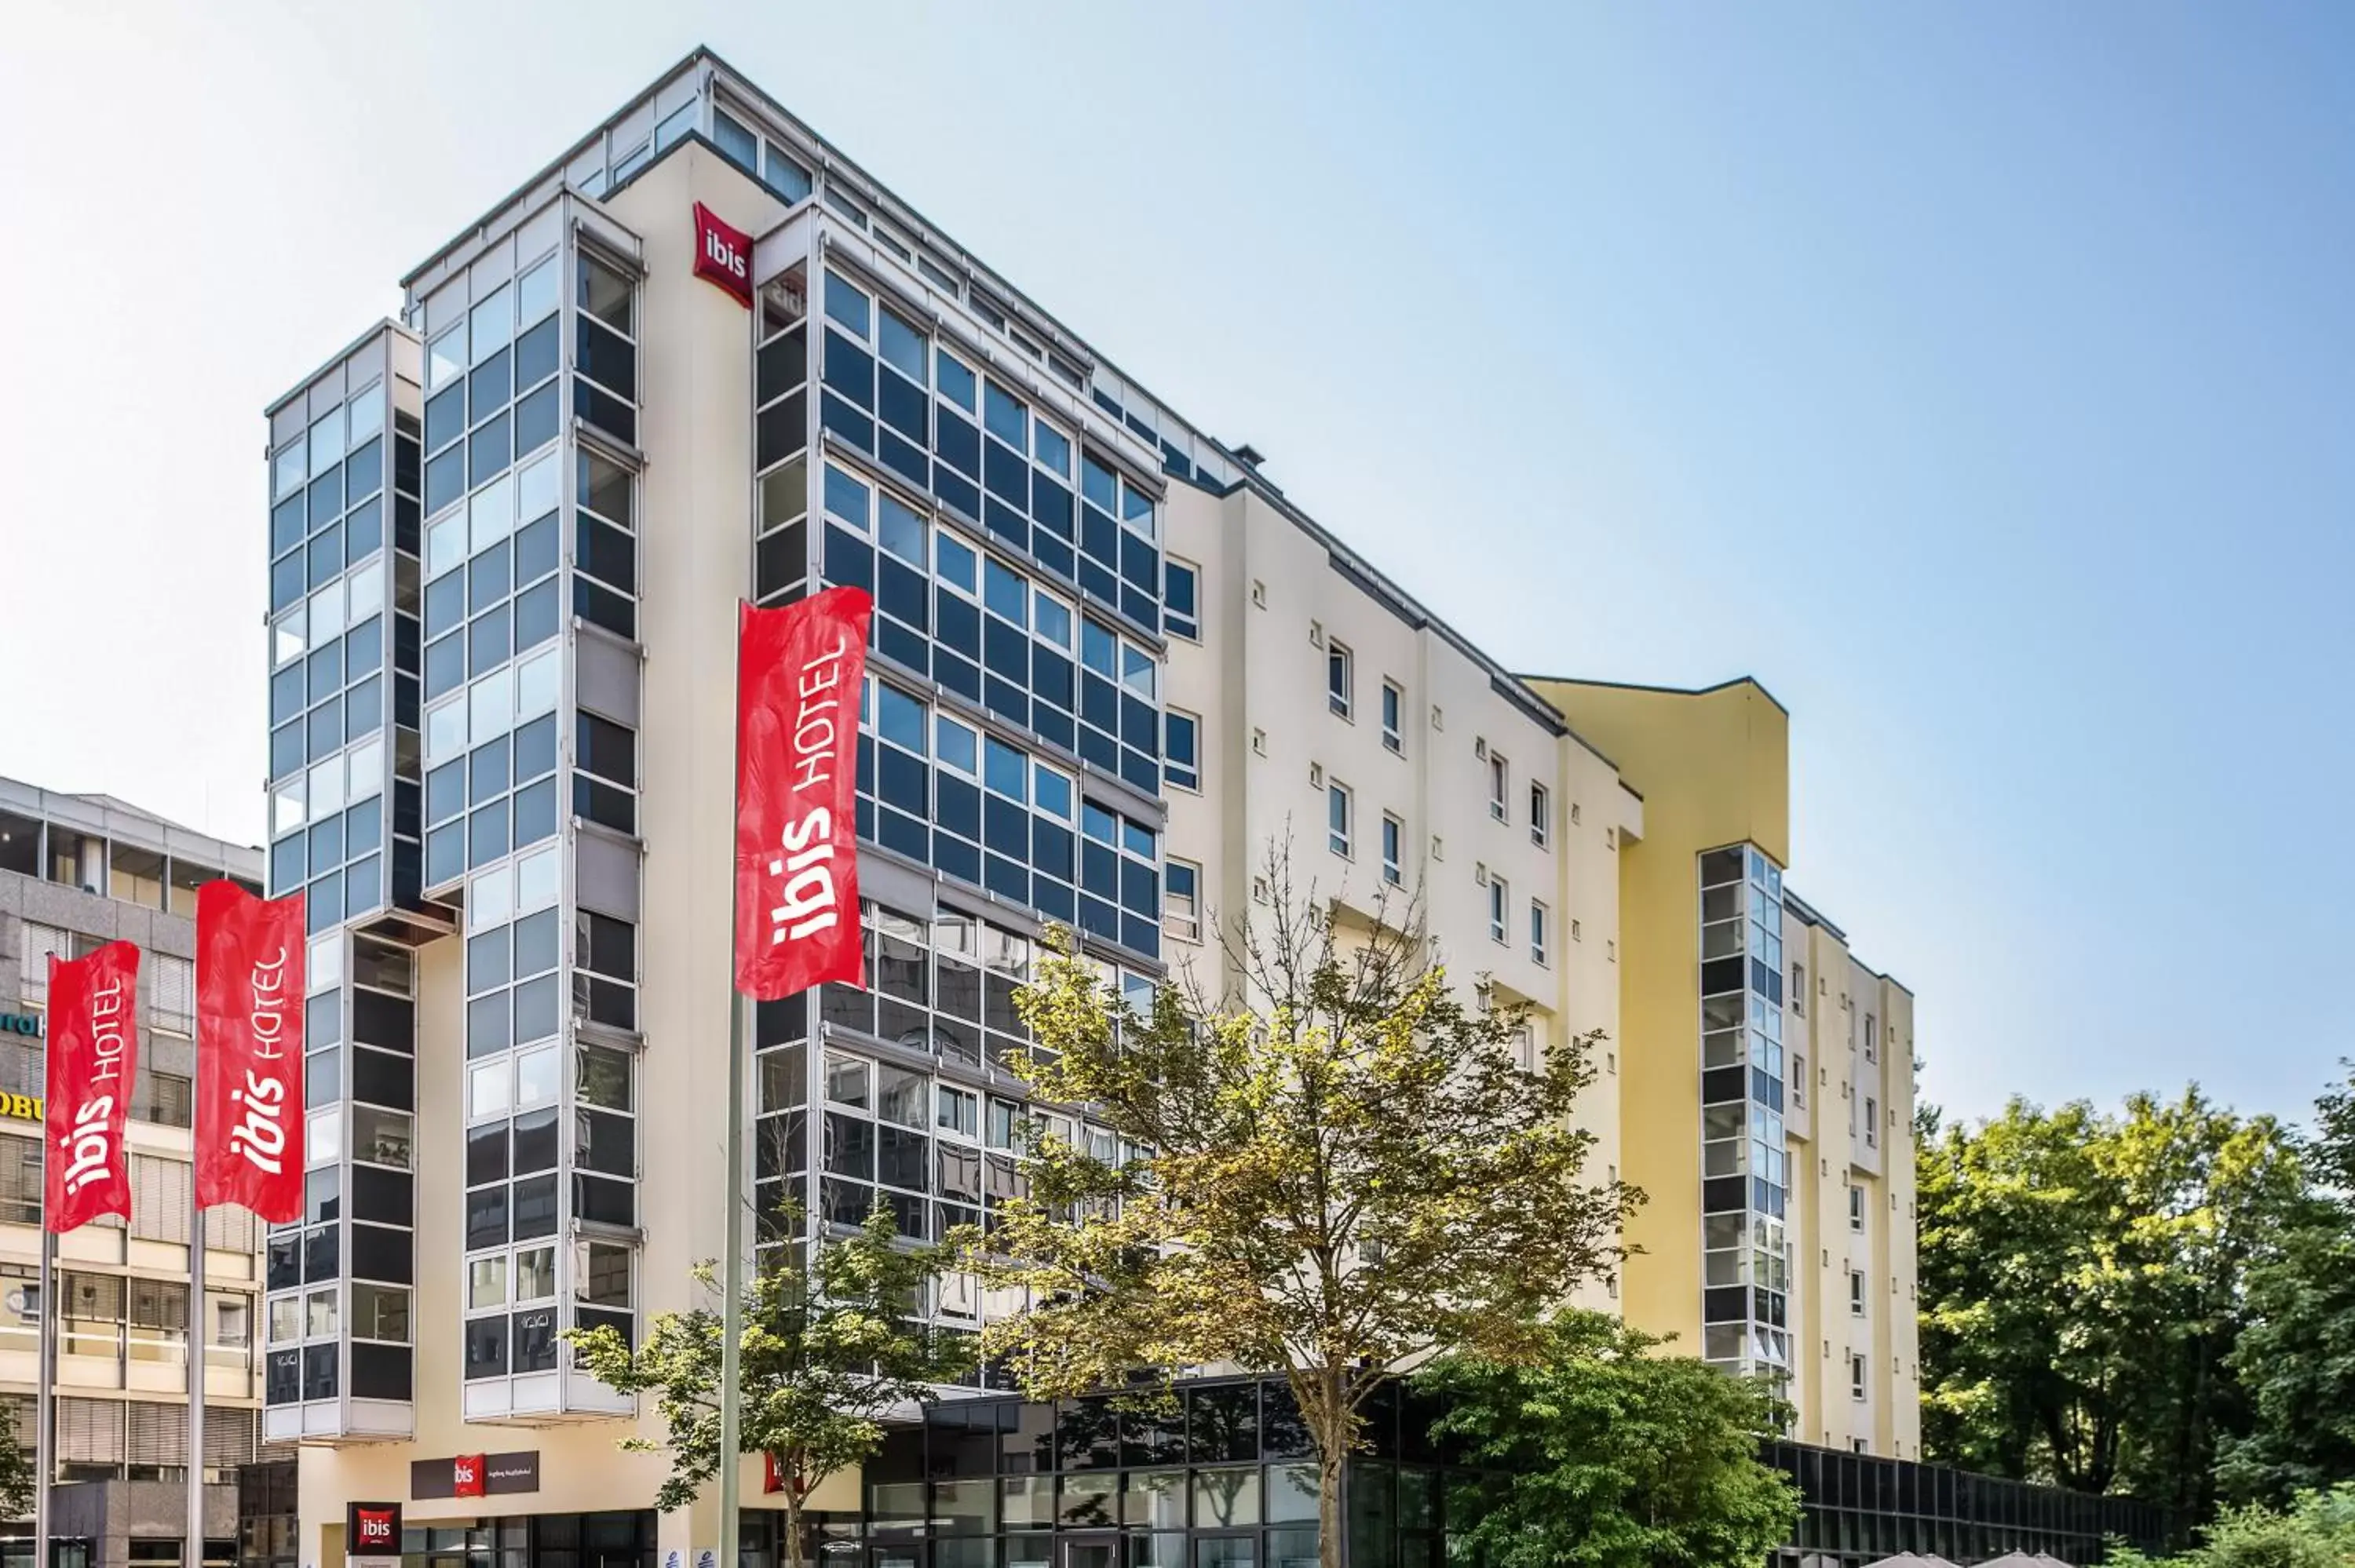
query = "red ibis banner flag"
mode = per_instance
[
  {"x": 249, "y": 1051},
  {"x": 798, "y": 676},
  {"x": 93, "y": 1060}
]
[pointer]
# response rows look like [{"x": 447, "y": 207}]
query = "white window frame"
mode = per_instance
[
  {"x": 1186, "y": 926},
  {"x": 1339, "y": 836},
  {"x": 1538, "y": 933},
  {"x": 1500, "y": 908},
  {"x": 1393, "y": 849},
  {"x": 1340, "y": 677},
  {"x": 1394, "y": 716},
  {"x": 1500, "y": 785},
  {"x": 1540, "y": 815}
]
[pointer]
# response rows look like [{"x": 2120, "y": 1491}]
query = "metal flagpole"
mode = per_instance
[
  {"x": 731, "y": 1330},
  {"x": 731, "y": 1272},
  {"x": 44, "y": 1415},
  {"x": 195, "y": 1556}
]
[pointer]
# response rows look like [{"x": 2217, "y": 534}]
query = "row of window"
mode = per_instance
[
  {"x": 1340, "y": 698},
  {"x": 987, "y": 632},
  {"x": 977, "y": 809},
  {"x": 924, "y": 414}
]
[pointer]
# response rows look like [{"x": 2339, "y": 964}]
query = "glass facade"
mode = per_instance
[
  {"x": 1222, "y": 1476},
  {"x": 1857, "y": 1509},
  {"x": 346, "y": 472},
  {"x": 1745, "y": 1158},
  {"x": 1010, "y": 747},
  {"x": 532, "y": 759}
]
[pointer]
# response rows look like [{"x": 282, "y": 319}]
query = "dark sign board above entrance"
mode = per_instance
[
  {"x": 474, "y": 1474},
  {"x": 372, "y": 1530}
]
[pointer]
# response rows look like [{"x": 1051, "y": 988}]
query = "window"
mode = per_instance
[
  {"x": 1871, "y": 1122},
  {"x": 1500, "y": 894},
  {"x": 1871, "y": 1040},
  {"x": 1180, "y": 588},
  {"x": 1499, "y": 780},
  {"x": 1856, "y": 1293},
  {"x": 1181, "y": 906},
  {"x": 1799, "y": 991},
  {"x": 1537, "y": 931},
  {"x": 1180, "y": 739},
  {"x": 1393, "y": 704},
  {"x": 1337, "y": 807},
  {"x": 1394, "y": 835},
  {"x": 1340, "y": 677},
  {"x": 1855, "y": 1375},
  {"x": 1798, "y": 1079},
  {"x": 1856, "y": 1208},
  {"x": 1540, "y": 815}
]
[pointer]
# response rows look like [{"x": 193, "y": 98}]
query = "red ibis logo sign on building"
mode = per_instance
[{"x": 723, "y": 254}]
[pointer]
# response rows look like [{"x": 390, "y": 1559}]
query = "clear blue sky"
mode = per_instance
[{"x": 1975, "y": 377}]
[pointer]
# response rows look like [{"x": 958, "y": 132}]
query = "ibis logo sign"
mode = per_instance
[{"x": 723, "y": 255}]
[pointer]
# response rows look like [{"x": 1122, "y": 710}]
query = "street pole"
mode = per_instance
[
  {"x": 195, "y": 1554},
  {"x": 732, "y": 1322},
  {"x": 44, "y": 1421}
]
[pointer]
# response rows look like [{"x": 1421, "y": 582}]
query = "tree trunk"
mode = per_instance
[
  {"x": 789, "y": 1551},
  {"x": 1332, "y": 1467},
  {"x": 1323, "y": 1398}
]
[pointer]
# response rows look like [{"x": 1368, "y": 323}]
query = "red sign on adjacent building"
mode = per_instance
[
  {"x": 94, "y": 1049},
  {"x": 466, "y": 1478},
  {"x": 798, "y": 673},
  {"x": 723, "y": 254},
  {"x": 249, "y": 1051}
]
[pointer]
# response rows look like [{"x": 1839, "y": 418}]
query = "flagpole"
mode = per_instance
[
  {"x": 44, "y": 1442},
  {"x": 731, "y": 1329},
  {"x": 731, "y": 1272},
  {"x": 194, "y": 1555}
]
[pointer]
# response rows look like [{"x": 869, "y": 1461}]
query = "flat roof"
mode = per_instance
[{"x": 108, "y": 817}]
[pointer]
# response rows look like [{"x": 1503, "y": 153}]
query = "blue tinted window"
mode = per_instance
[
  {"x": 1054, "y": 791},
  {"x": 845, "y": 304},
  {"x": 1054, "y": 621},
  {"x": 1054, "y": 450},
  {"x": 958, "y": 564},
  {"x": 1138, "y": 840},
  {"x": 1097, "y": 484},
  {"x": 1178, "y": 740},
  {"x": 903, "y": 346},
  {"x": 1006, "y": 594},
  {"x": 957, "y": 746},
  {"x": 1099, "y": 649},
  {"x": 899, "y": 718},
  {"x": 903, "y": 532},
  {"x": 1097, "y": 822},
  {"x": 845, "y": 497},
  {"x": 1009, "y": 770},
  {"x": 1006, "y": 418},
  {"x": 956, "y": 381}
]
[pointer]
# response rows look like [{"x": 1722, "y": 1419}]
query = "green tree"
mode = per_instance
[
  {"x": 825, "y": 1354},
  {"x": 1340, "y": 1167},
  {"x": 1604, "y": 1453},
  {"x": 2296, "y": 1357},
  {"x": 2083, "y": 1282},
  {"x": 19, "y": 1473}
]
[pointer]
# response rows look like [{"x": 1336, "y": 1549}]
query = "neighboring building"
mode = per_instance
[
  {"x": 1770, "y": 1128},
  {"x": 77, "y": 871},
  {"x": 1113, "y": 667}
]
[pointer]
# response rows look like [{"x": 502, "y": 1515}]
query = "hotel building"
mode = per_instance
[
  {"x": 77, "y": 872},
  {"x": 1113, "y": 666}
]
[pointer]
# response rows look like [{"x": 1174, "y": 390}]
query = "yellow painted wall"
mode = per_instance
[{"x": 1713, "y": 768}]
